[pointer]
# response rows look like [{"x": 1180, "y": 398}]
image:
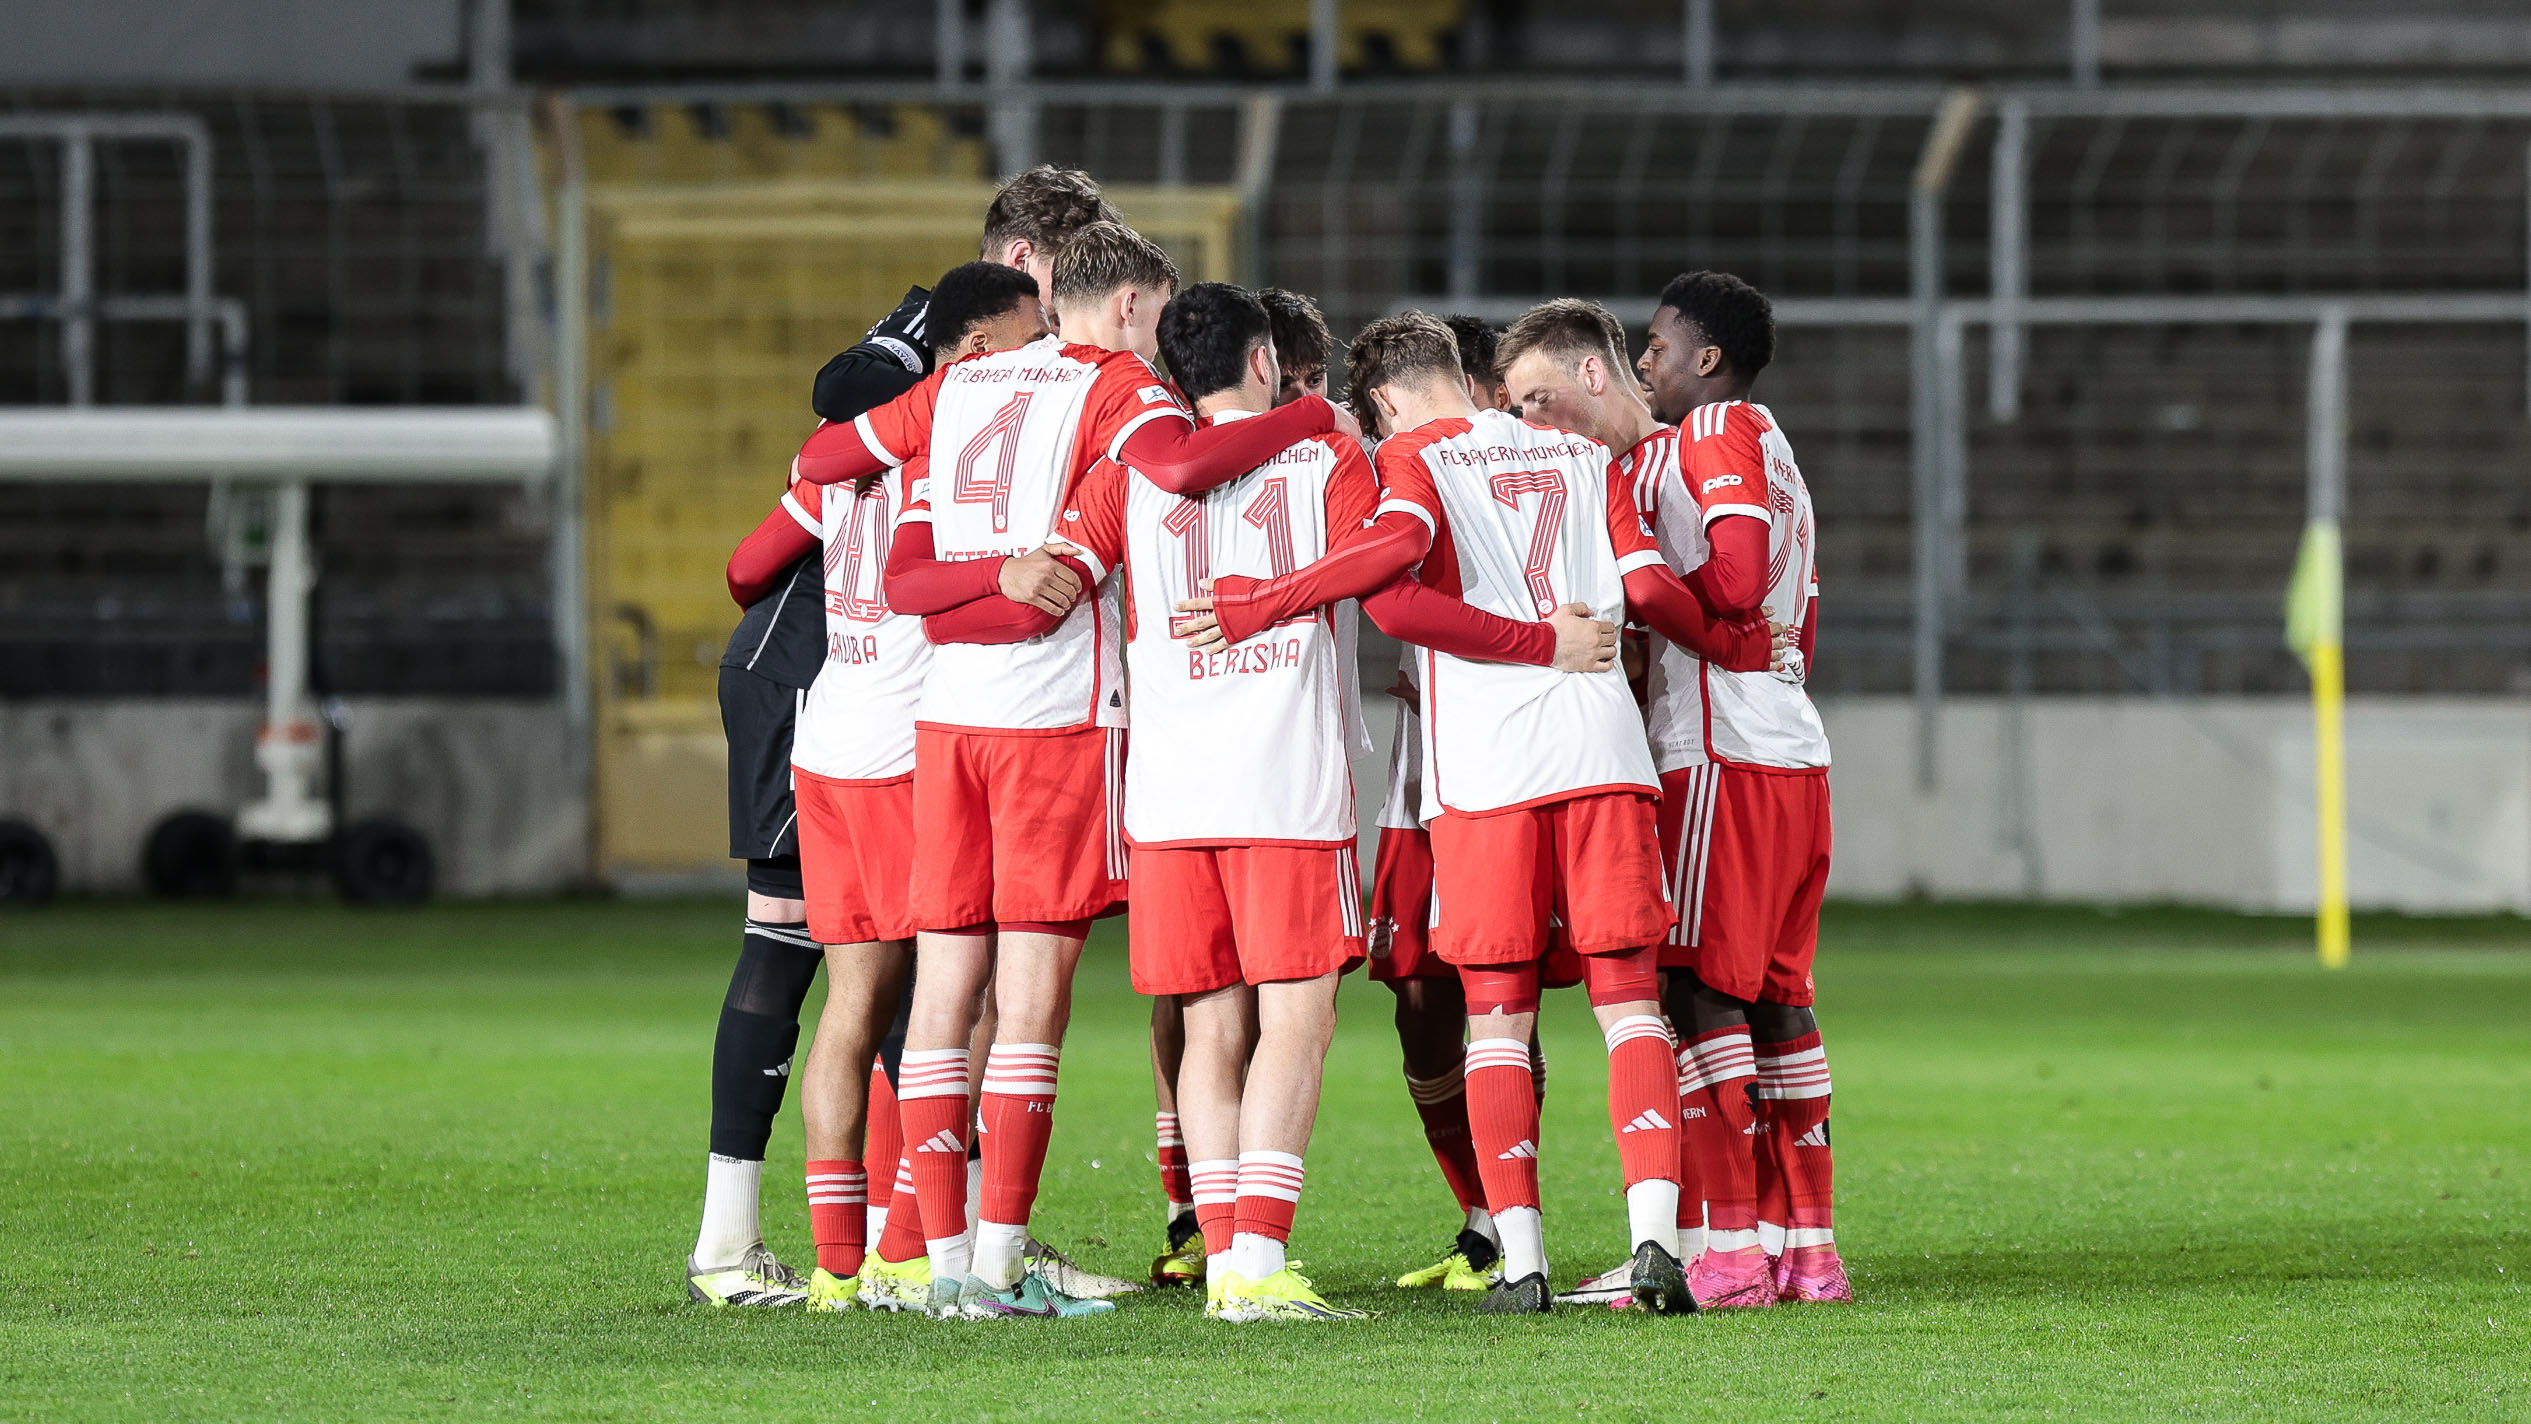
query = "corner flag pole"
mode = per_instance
[{"x": 2315, "y": 625}]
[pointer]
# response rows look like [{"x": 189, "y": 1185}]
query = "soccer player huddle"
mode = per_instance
[{"x": 1058, "y": 616}]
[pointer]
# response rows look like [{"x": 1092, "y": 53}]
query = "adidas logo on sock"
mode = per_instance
[
  {"x": 942, "y": 1141},
  {"x": 1520, "y": 1149},
  {"x": 1647, "y": 1121},
  {"x": 1816, "y": 1137}
]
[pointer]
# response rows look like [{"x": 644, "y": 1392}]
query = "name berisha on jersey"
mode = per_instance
[{"x": 1252, "y": 657}]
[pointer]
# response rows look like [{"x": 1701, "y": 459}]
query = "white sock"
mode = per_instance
[
  {"x": 1215, "y": 1265},
  {"x": 975, "y": 1189},
  {"x": 950, "y": 1255},
  {"x": 878, "y": 1227},
  {"x": 997, "y": 1252},
  {"x": 1771, "y": 1236},
  {"x": 1729, "y": 1240},
  {"x": 1809, "y": 1236},
  {"x": 1481, "y": 1222},
  {"x": 1255, "y": 1255},
  {"x": 1692, "y": 1238},
  {"x": 1178, "y": 1209},
  {"x": 1524, "y": 1241},
  {"x": 1652, "y": 1212},
  {"x": 730, "y": 1226}
]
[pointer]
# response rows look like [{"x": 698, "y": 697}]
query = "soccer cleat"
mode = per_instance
[
  {"x": 1070, "y": 1277},
  {"x": 1812, "y": 1274},
  {"x": 896, "y": 1285},
  {"x": 1656, "y": 1282},
  {"x": 1474, "y": 1264},
  {"x": 1031, "y": 1299},
  {"x": 831, "y": 1292},
  {"x": 1732, "y": 1280},
  {"x": 944, "y": 1300},
  {"x": 1183, "y": 1263},
  {"x": 1611, "y": 1288},
  {"x": 757, "y": 1279},
  {"x": 1285, "y": 1295},
  {"x": 1526, "y": 1296}
]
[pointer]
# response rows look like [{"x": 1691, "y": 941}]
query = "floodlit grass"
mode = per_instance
[{"x": 282, "y": 1160}]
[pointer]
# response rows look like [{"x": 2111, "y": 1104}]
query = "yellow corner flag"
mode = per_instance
[{"x": 2315, "y": 627}]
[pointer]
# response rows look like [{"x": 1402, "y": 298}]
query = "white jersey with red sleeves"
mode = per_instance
[
  {"x": 1403, "y": 807},
  {"x": 1009, "y": 434},
  {"x": 857, "y": 721},
  {"x": 1249, "y": 744},
  {"x": 1525, "y": 519},
  {"x": 1731, "y": 458}
]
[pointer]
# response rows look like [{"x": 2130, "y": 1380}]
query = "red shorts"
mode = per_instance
[
  {"x": 1208, "y": 917},
  {"x": 1591, "y": 862},
  {"x": 1017, "y": 828},
  {"x": 1401, "y": 908},
  {"x": 1748, "y": 853},
  {"x": 856, "y": 856}
]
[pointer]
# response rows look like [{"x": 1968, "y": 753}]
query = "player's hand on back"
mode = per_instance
[
  {"x": 1583, "y": 643},
  {"x": 1042, "y": 581}
]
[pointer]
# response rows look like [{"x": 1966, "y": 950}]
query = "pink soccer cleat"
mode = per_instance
[
  {"x": 1732, "y": 1280},
  {"x": 1812, "y": 1274}
]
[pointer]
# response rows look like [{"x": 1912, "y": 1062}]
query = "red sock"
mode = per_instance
[
  {"x": 1215, "y": 1186},
  {"x": 1269, "y": 1193},
  {"x": 1718, "y": 1127},
  {"x": 903, "y": 1238},
  {"x": 1019, "y": 1120},
  {"x": 932, "y": 1092},
  {"x": 837, "y": 1193},
  {"x": 1175, "y": 1186},
  {"x": 883, "y": 1139},
  {"x": 1443, "y": 1105},
  {"x": 1796, "y": 1175},
  {"x": 1691, "y": 1108},
  {"x": 1503, "y": 1121},
  {"x": 1643, "y": 1097}
]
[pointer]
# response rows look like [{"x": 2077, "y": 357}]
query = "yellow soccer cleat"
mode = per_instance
[
  {"x": 1285, "y": 1295},
  {"x": 1474, "y": 1264},
  {"x": 896, "y": 1285},
  {"x": 833, "y": 1293},
  {"x": 1183, "y": 1263}
]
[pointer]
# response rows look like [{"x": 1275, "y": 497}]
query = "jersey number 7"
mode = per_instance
[{"x": 1548, "y": 485}]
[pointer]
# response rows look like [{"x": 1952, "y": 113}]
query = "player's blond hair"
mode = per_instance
[
  {"x": 1045, "y": 207},
  {"x": 1106, "y": 256},
  {"x": 1567, "y": 329},
  {"x": 1408, "y": 346}
]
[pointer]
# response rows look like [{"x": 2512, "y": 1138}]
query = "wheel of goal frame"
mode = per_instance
[
  {"x": 383, "y": 861},
  {"x": 192, "y": 855},
  {"x": 29, "y": 872}
]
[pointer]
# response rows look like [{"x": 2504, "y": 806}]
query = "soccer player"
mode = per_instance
[
  {"x": 852, "y": 763},
  {"x": 1018, "y": 742},
  {"x": 1539, "y": 789},
  {"x": 774, "y": 655},
  {"x": 1745, "y": 820},
  {"x": 1301, "y": 348}
]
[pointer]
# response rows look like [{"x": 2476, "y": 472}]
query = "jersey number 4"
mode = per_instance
[
  {"x": 1548, "y": 485},
  {"x": 972, "y": 482}
]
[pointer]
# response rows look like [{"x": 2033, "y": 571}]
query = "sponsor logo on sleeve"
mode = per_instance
[
  {"x": 1720, "y": 482},
  {"x": 1154, "y": 395}
]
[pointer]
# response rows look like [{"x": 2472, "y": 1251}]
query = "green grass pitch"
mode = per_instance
[{"x": 293, "y": 1161}]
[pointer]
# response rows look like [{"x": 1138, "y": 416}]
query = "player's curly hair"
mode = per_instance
[
  {"x": 1301, "y": 339},
  {"x": 1206, "y": 333},
  {"x": 1104, "y": 256},
  {"x": 970, "y": 294},
  {"x": 1045, "y": 206},
  {"x": 1403, "y": 347},
  {"x": 1567, "y": 329},
  {"x": 1480, "y": 347},
  {"x": 1728, "y": 313}
]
